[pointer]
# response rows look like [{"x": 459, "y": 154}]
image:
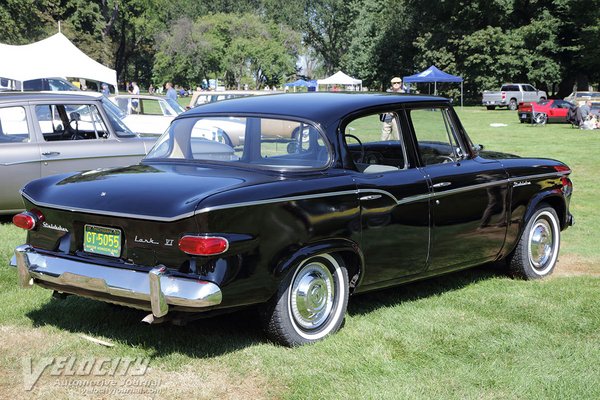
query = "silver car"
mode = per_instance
[{"x": 50, "y": 133}]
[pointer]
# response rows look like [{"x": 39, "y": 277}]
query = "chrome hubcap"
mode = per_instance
[
  {"x": 312, "y": 295},
  {"x": 541, "y": 241}
]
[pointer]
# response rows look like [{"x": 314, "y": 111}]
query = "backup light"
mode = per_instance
[
  {"x": 28, "y": 220},
  {"x": 203, "y": 245}
]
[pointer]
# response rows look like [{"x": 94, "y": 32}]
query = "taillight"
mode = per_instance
[
  {"x": 28, "y": 220},
  {"x": 562, "y": 168},
  {"x": 203, "y": 245},
  {"x": 503, "y": 94}
]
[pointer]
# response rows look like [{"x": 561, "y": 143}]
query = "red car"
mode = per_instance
[{"x": 545, "y": 111}]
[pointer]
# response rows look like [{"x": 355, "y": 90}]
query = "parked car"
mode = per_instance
[
  {"x": 545, "y": 111},
  {"x": 578, "y": 98},
  {"x": 293, "y": 226},
  {"x": 145, "y": 114},
  {"x": 511, "y": 94},
  {"x": 204, "y": 97},
  {"x": 48, "y": 133}
]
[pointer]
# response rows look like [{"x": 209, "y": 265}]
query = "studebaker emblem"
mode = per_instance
[
  {"x": 521, "y": 183},
  {"x": 54, "y": 227}
]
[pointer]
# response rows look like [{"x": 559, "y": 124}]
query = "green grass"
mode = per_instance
[{"x": 470, "y": 335}]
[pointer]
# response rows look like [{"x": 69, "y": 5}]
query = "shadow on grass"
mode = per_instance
[
  {"x": 209, "y": 337},
  {"x": 413, "y": 291}
]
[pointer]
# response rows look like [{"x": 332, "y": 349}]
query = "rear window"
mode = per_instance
[{"x": 265, "y": 143}]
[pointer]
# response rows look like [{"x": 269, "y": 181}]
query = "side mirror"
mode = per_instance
[{"x": 478, "y": 147}]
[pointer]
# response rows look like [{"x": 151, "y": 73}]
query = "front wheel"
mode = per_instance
[
  {"x": 537, "y": 251},
  {"x": 310, "y": 303}
]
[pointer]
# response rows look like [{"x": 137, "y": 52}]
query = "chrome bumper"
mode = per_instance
[{"x": 157, "y": 287}]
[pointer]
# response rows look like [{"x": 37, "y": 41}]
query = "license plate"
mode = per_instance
[
  {"x": 523, "y": 116},
  {"x": 101, "y": 240}
]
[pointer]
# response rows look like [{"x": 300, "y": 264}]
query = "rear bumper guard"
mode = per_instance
[{"x": 156, "y": 287}]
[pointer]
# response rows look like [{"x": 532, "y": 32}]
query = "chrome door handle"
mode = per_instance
[
  {"x": 442, "y": 184},
  {"x": 370, "y": 197},
  {"x": 51, "y": 153}
]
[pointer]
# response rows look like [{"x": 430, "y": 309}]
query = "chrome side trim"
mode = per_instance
[
  {"x": 157, "y": 288},
  {"x": 280, "y": 200},
  {"x": 295, "y": 198}
]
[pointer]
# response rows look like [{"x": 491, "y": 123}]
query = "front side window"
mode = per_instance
[
  {"x": 436, "y": 136},
  {"x": 375, "y": 143},
  {"x": 70, "y": 122},
  {"x": 13, "y": 125},
  {"x": 266, "y": 143}
]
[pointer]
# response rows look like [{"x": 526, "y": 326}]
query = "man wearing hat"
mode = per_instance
[
  {"x": 396, "y": 85},
  {"x": 388, "y": 119}
]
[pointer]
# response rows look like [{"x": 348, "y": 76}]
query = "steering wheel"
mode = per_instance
[{"x": 362, "y": 148}]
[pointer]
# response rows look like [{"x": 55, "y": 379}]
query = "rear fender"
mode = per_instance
[{"x": 346, "y": 250}]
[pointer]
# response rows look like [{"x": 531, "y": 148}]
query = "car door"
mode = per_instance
[
  {"x": 393, "y": 197},
  {"x": 19, "y": 155},
  {"x": 76, "y": 137},
  {"x": 468, "y": 202}
]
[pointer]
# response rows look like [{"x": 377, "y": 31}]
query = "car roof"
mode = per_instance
[
  {"x": 318, "y": 107},
  {"x": 46, "y": 96},
  {"x": 138, "y": 96}
]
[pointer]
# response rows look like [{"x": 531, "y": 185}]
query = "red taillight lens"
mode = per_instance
[
  {"x": 562, "y": 168},
  {"x": 203, "y": 245},
  {"x": 28, "y": 220}
]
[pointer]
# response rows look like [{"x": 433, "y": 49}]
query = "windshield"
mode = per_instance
[
  {"x": 115, "y": 118},
  {"x": 267, "y": 143}
]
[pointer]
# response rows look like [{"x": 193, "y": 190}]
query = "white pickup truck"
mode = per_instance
[{"x": 511, "y": 94}]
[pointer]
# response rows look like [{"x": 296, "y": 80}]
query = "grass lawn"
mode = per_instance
[{"x": 476, "y": 334}]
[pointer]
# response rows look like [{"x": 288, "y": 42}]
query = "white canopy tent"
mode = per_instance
[
  {"x": 55, "y": 56},
  {"x": 340, "y": 78}
]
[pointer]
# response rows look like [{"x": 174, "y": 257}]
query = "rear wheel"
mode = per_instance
[
  {"x": 540, "y": 118},
  {"x": 537, "y": 251},
  {"x": 310, "y": 303},
  {"x": 512, "y": 105}
]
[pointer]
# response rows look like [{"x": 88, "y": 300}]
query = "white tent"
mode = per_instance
[
  {"x": 55, "y": 56},
  {"x": 340, "y": 78}
]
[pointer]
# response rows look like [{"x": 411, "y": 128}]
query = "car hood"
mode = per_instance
[{"x": 158, "y": 191}]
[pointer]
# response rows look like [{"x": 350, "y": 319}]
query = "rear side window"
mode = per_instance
[{"x": 13, "y": 125}]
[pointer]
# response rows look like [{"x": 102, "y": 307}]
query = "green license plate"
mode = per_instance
[{"x": 101, "y": 240}]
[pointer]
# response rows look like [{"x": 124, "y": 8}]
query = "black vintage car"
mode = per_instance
[{"x": 359, "y": 192}]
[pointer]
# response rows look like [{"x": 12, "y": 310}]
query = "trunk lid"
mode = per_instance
[{"x": 159, "y": 192}]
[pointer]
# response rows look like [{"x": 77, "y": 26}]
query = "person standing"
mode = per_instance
[
  {"x": 387, "y": 126},
  {"x": 105, "y": 90},
  {"x": 171, "y": 93}
]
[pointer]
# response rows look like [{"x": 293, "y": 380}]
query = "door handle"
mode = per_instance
[
  {"x": 51, "y": 153},
  {"x": 370, "y": 197},
  {"x": 442, "y": 184}
]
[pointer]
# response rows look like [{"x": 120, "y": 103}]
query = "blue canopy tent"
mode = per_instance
[
  {"x": 301, "y": 82},
  {"x": 433, "y": 74}
]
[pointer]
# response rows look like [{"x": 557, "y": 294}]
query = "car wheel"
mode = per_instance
[
  {"x": 490, "y": 107},
  {"x": 537, "y": 250},
  {"x": 310, "y": 303},
  {"x": 512, "y": 105},
  {"x": 540, "y": 118}
]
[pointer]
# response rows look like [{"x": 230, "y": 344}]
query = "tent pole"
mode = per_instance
[{"x": 461, "y": 95}]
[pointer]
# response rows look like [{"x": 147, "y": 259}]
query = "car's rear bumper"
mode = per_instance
[{"x": 154, "y": 290}]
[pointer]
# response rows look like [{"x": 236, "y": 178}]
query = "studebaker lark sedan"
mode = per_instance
[{"x": 293, "y": 225}]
